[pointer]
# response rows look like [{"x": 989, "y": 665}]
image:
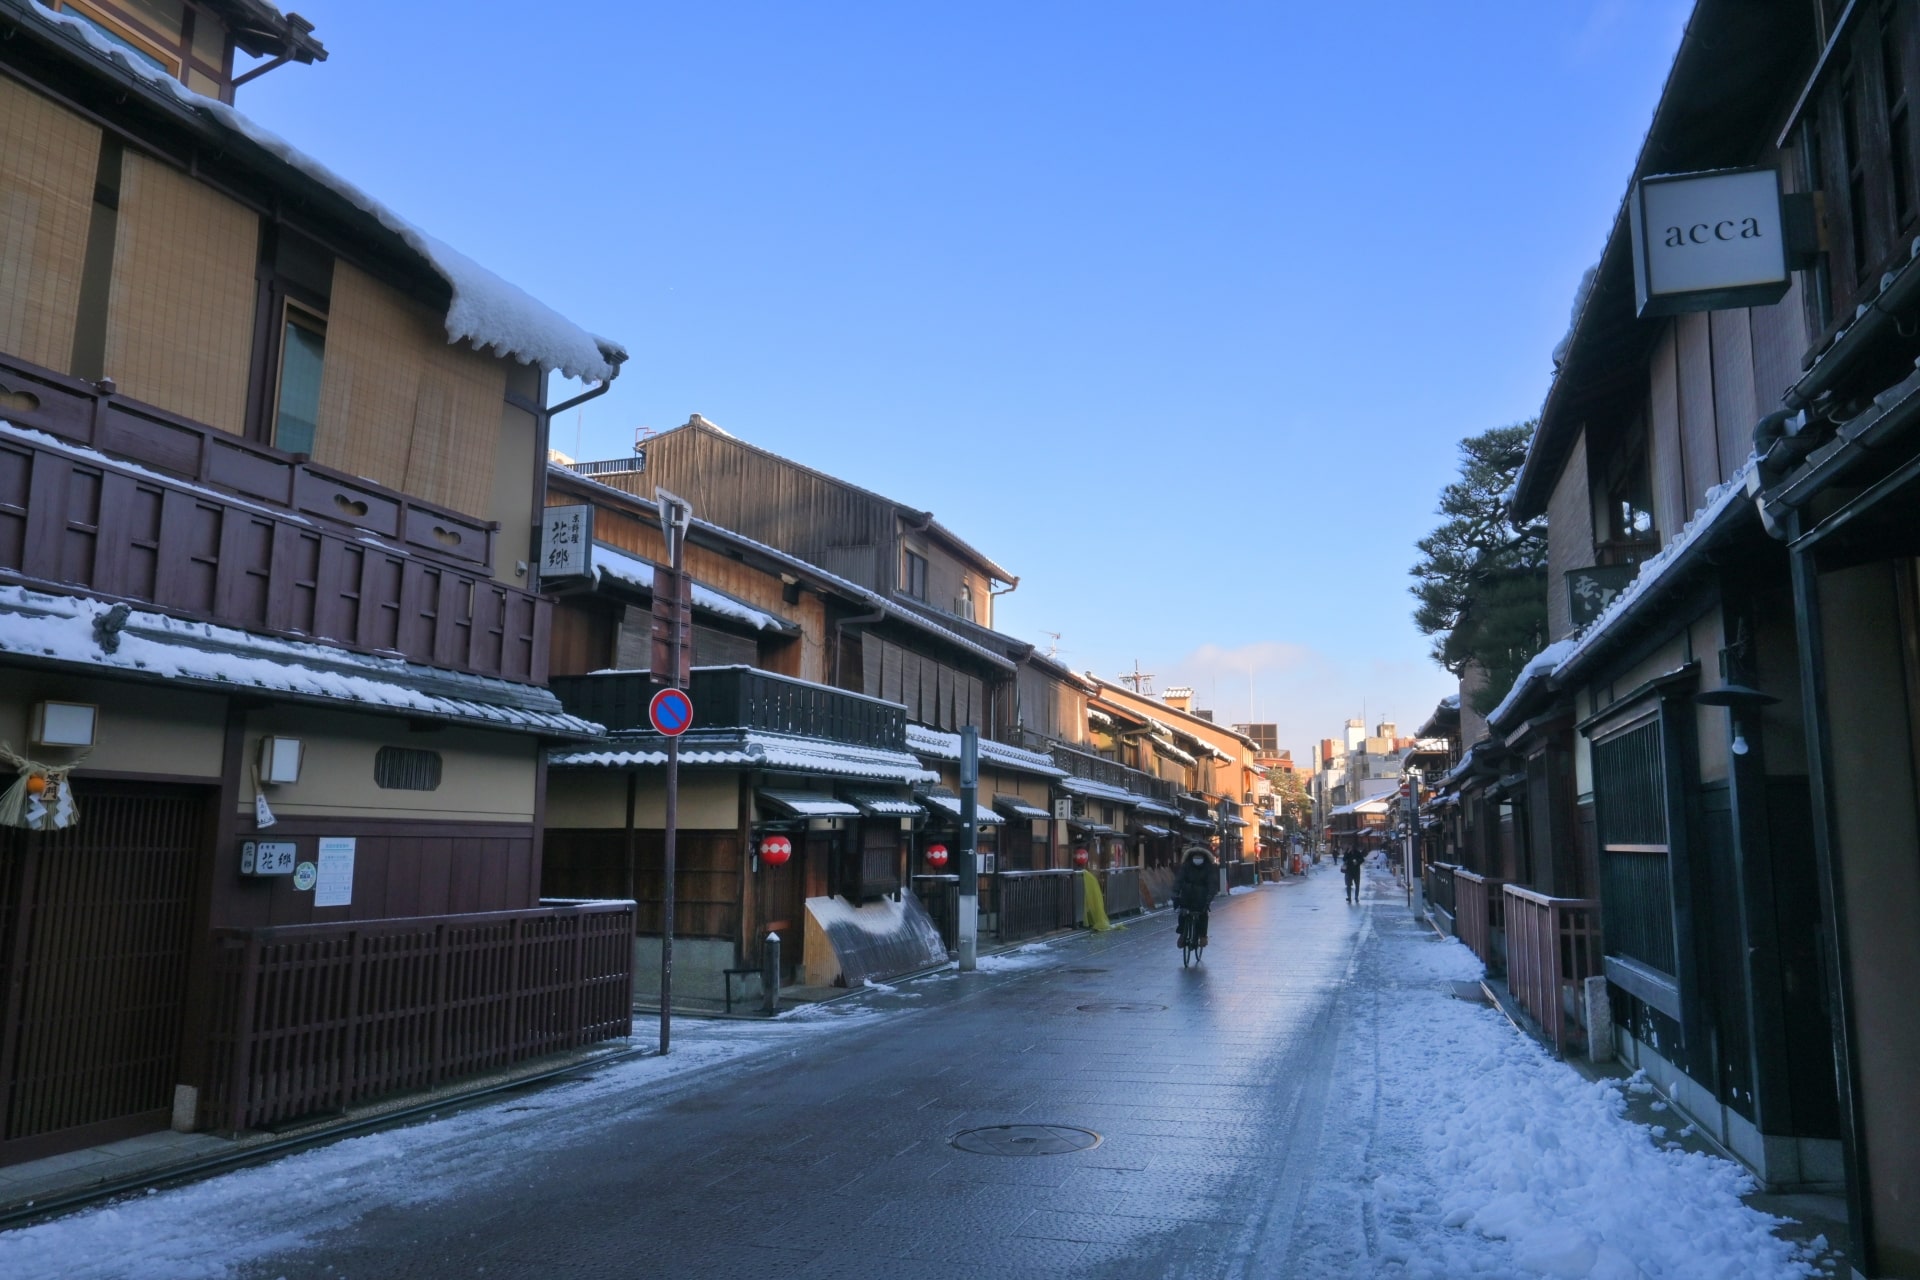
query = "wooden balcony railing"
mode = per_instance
[
  {"x": 313, "y": 1018},
  {"x": 304, "y": 553},
  {"x": 1033, "y": 902},
  {"x": 1553, "y": 945},
  {"x": 1084, "y": 764},
  {"x": 742, "y": 698},
  {"x": 1479, "y": 904}
]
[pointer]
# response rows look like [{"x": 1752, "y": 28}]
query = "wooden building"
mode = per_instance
[
  {"x": 1711, "y": 783},
  {"x": 873, "y": 541},
  {"x": 269, "y": 480}
]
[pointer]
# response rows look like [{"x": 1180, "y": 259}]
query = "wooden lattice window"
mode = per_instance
[{"x": 406, "y": 769}]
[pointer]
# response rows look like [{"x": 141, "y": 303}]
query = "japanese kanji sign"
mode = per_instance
[{"x": 566, "y": 542}]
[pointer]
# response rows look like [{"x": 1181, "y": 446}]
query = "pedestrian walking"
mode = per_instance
[{"x": 1350, "y": 863}]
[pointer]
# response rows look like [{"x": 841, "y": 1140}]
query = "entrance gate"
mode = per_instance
[{"x": 96, "y": 927}]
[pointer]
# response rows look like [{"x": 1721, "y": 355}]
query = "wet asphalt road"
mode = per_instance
[{"x": 1206, "y": 1086}]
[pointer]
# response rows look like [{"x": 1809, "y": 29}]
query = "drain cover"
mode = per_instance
[
  {"x": 1121, "y": 1007},
  {"x": 1085, "y": 969},
  {"x": 1026, "y": 1140}
]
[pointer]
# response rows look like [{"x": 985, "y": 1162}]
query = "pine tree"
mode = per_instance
[{"x": 1481, "y": 581}]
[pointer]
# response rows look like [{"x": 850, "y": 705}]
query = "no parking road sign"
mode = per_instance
[{"x": 671, "y": 712}]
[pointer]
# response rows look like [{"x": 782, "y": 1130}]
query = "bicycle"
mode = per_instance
[{"x": 1192, "y": 922}]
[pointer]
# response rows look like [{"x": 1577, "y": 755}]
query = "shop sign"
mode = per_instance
[
  {"x": 1708, "y": 241},
  {"x": 1592, "y": 589},
  {"x": 566, "y": 542}
]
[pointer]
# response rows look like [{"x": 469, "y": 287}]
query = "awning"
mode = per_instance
[
  {"x": 1237, "y": 822},
  {"x": 879, "y": 804},
  {"x": 807, "y": 804},
  {"x": 1090, "y": 828},
  {"x": 1154, "y": 806},
  {"x": 1198, "y": 824},
  {"x": 1097, "y": 791},
  {"x": 949, "y": 804},
  {"x": 773, "y": 752},
  {"x": 1148, "y": 829},
  {"x": 1015, "y": 807}
]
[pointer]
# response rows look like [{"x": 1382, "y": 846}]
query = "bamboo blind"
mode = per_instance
[
  {"x": 400, "y": 404},
  {"x": 48, "y": 158},
  {"x": 180, "y": 314}
]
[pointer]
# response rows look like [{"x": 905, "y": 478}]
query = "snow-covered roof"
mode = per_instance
[
  {"x": 876, "y": 804},
  {"x": 772, "y": 752},
  {"x": 949, "y": 803},
  {"x": 486, "y": 311},
  {"x": 1152, "y": 829},
  {"x": 1092, "y": 790},
  {"x": 1540, "y": 667},
  {"x": 75, "y": 632},
  {"x": 623, "y": 566},
  {"x": 808, "y": 804},
  {"x": 939, "y": 745},
  {"x": 1019, "y": 807},
  {"x": 1379, "y": 805}
]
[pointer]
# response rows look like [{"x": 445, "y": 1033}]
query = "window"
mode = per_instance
[
  {"x": 303, "y": 344},
  {"x": 1636, "y": 872},
  {"x": 1626, "y": 527},
  {"x": 916, "y": 575},
  {"x": 406, "y": 769},
  {"x": 965, "y": 603},
  {"x": 120, "y": 33}
]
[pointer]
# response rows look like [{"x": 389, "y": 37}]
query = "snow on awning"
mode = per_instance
[
  {"x": 771, "y": 752},
  {"x": 1198, "y": 824},
  {"x": 1150, "y": 829},
  {"x": 1154, "y": 806},
  {"x": 74, "y": 632},
  {"x": 1092, "y": 790},
  {"x": 806, "y": 804},
  {"x": 485, "y": 311},
  {"x": 940, "y": 745},
  {"x": 949, "y": 804},
  {"x": 1016, "y": 807},
  {"x": 624, "y": 567},
  {"x": 875, "y": 804},
  {"x": 1090, "y": 828}
]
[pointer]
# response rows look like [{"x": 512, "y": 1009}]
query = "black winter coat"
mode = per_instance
[{"x": 1196, "y": 884}]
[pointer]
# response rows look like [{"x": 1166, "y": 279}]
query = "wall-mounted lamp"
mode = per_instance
[
  {"x": 279, "y": 760},
  {"x": 1740, "y": 699},
  {"x": 63, "y": 724}
]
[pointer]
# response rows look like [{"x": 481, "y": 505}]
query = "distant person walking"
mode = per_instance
[{"x": 1350, "y": 863}]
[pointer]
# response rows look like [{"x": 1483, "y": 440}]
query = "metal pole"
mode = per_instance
[
  {"x": 674, "y": 516},
  {"x": 968, "y": 939}
]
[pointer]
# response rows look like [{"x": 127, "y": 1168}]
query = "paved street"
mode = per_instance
[{"x": 1265, "y": 1114}]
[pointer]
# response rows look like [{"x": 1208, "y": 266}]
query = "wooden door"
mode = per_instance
[{"x": 96, "y": 930}]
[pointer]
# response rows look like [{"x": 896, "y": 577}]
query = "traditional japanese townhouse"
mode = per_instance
[
  {"x": 825, "y": 715},
  {"x": 1227, "y": 779},
  {"x": 1666, "y": 759},
  {"x": 870, "y": 540},
  {"x": 269, "y": 480}
]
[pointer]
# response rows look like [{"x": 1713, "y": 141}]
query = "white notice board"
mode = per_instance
[{"x": 335, "y": 885}]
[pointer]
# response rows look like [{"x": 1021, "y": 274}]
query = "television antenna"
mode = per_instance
[
  {"x": 1053, "y": 649},
  {"x": 1142, "y": 681}
]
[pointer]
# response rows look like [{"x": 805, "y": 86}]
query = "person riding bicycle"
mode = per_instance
[
  {"x": 1193, "y": 890},
  {"x": 1350, "y": 868}
]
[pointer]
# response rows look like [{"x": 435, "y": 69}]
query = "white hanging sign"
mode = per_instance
[
  {"x": 1708, "y": 241},
  {"x": 566, "y": 542}
]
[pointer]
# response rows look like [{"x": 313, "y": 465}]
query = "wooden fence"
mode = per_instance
[
  {"x": 1440, "y": 887},
  {"x": 1478, "y": 902},
  {"x": 1553, "y": 944},
  {"x": 1033, "y": 902},
  {"x": 940, "y": 895},
  {"x": 312, "y": 1018},
  {"x": 1241, "y": 875},
  {"x": 1120, "y": 888}
]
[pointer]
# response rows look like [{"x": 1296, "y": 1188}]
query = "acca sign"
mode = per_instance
[{"x": 1708, "y": 241}]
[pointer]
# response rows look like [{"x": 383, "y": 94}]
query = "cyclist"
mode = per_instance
[{"x": 1193, "y": 891}]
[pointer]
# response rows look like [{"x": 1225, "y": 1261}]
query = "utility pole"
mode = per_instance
[
  {"x": 968, "y": 941},
  {"x": 671, "y": 670}
]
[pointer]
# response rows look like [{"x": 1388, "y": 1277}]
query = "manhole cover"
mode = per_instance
[
  {"x": 1122, "y": 1006},
  {"x": 1026, "y": 1140}
]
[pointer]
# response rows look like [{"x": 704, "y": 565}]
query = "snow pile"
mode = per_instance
[
  {"x": 1580, "y": 295},
  {"x": 611, "y": 562},
  {"x": 486, "y": 311},
  {"x": 1468, "y": 1151},
  {"x": 1035, "y": 955}
]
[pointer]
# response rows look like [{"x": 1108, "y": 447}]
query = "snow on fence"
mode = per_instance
[
  {"x": 314, "y": 1018},
  {"x": 1553, "y": 945}
]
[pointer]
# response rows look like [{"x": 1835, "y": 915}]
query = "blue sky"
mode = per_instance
[{"x": 1176, "y": 310}]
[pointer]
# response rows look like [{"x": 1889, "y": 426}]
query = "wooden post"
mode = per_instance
[{"x": 238, "y": 1072}]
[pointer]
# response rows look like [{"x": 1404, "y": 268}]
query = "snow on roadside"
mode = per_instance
[
  {"x": 1031, "y": 956},
  {"x": 212, "y": 1230},
  {"x": 1488, "y": 1157}
]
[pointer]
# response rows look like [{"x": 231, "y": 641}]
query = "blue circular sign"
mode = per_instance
[{"x": 671, "y": 712}]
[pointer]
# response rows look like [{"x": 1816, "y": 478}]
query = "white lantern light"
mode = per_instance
[
  {"x": 279, "y": 760},
  {"x": 63, "y": 724}
]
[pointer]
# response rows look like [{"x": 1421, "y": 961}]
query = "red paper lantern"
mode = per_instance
[
  {"x": 936, "y": 856},
  {"x": 1079, "y": 857},
  {"x": 775, "y": 850}
]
